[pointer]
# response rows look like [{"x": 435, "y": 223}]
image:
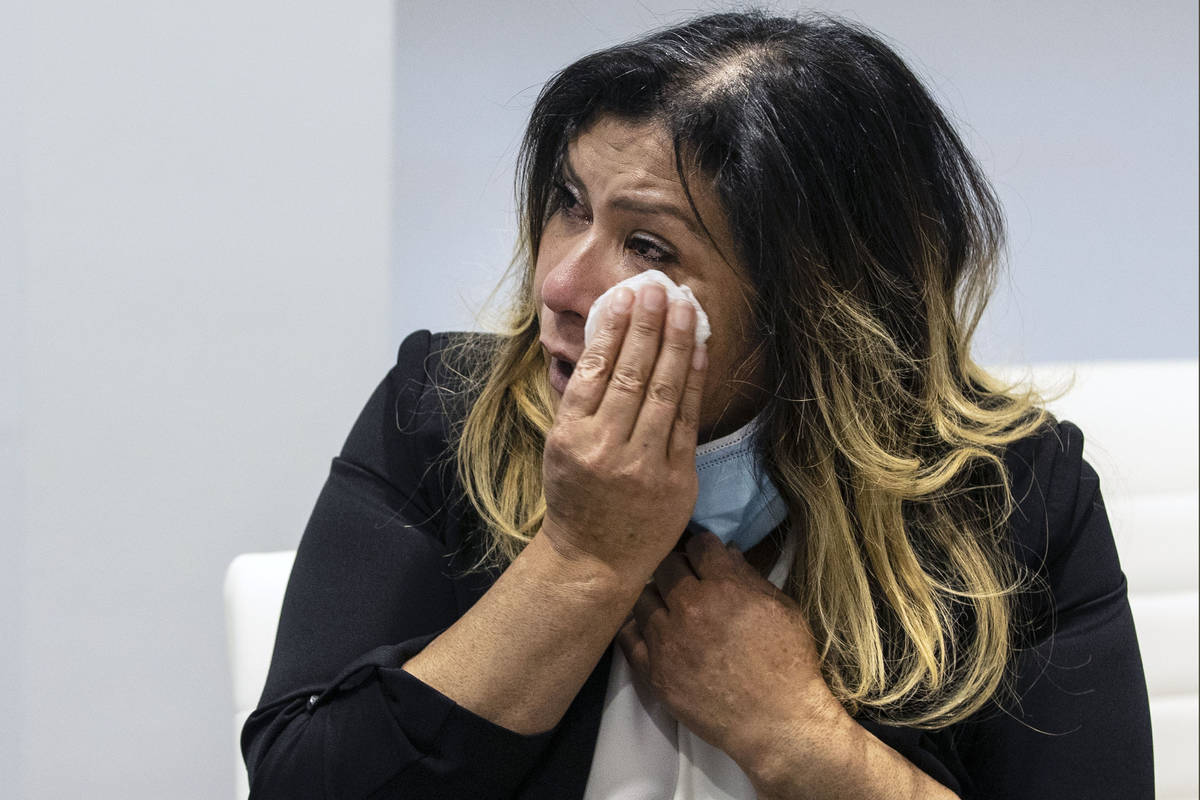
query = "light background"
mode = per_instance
[{"x": 217, "y": 222}]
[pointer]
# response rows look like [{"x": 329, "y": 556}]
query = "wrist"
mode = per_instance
[
  {"x": 804, "y": 755},
  {"x": 585, "y": 574},
  {"x": 844, "y": 761}
]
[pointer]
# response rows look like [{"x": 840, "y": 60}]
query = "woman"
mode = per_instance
[{"x": 937, "y": 612}]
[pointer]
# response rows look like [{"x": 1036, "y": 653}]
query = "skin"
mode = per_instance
[
  {"x": 727, "y": 653},
  {"x": 596, "y": 241}
]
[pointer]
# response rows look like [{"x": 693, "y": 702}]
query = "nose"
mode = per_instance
[{"x": 577, "y": 276}]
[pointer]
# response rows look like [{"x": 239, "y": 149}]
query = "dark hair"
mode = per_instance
[
  {"x": 871, "y": 240},
  {"x": 835, "y": 168}
]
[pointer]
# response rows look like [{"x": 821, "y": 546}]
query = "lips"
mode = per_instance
[{"x": 562, "y": 363}]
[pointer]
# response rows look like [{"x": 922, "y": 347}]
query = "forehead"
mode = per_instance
[
  {"x": 636, "y": 152},
  {"x": 635, "y": 161}
]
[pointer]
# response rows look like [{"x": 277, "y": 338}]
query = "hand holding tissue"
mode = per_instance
[
  {"x": 674, "y": 292},
  {"x": 737, "y": 500}
]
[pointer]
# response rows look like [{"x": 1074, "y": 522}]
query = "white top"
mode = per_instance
[{"x": 643, "y": 753}]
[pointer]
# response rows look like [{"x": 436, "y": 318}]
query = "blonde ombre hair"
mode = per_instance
[{"x": 872, "y": 242}]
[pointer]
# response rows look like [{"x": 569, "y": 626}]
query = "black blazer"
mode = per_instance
[{"x": 380, "y": 572}]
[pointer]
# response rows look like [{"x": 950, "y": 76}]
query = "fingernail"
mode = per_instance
[
  {"x": 654, "y": 297},
  {"x": 680, "y": 315},
  {"x": 700, "y": 357},
  {"x": 622, "y": 299}
]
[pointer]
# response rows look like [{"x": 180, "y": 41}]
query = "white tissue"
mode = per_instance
[{"x": 674, "y": 292}]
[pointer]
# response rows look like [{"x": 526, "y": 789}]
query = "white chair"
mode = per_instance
[
  {"x": 254, "y": 587},
  {"x": 1140, "y": 423},
  {"x": 1139, "y": 420}
]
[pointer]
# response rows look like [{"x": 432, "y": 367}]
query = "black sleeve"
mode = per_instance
[
  {"x": 338, "y": 718},
  {"x": 1076, "y": 721}
]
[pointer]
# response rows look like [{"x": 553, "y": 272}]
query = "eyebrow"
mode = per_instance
[{"x": 626, "y": 203}]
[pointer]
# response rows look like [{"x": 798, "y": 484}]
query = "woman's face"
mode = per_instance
[{"x": 623, "y": 211}]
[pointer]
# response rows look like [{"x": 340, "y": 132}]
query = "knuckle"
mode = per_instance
[
  {"x": 688, "y": 417},
  {"x": 683, "y": 484},
  {"x": 678, "y": 343},
  {"x": 636, "y": 483},
  {"x": 631, "y": 474},
  {"x": 614, "y": 323},
  {"x": 591, "y": 365},
  {"x": 592, "y": 456},
  {"x": 663, "y": 391},
  {"x": 608, "y": 339},
  {"x": 726, "y": 584},
  {"x": 646, "y": 327},
  {"x": 693, "y": 612},
  {"x": 605, "y": 442},
  {"x": 628, "y": 378},
  {"x": 556, "y": 441},
  {"x": 565, "y": 450}
]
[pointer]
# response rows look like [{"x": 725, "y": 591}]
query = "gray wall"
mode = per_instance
[
  {"x": 200, "y": 228},
  {"x": 208, "y": 254}
]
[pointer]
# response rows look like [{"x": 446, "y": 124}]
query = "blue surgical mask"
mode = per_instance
[{"x": 737, "y": 501}]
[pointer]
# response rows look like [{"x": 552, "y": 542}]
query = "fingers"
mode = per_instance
[
  {"x": 710, "y": 558},
  {"x": 631, "y": 374},
  {"x": 667, "y": 382},
  {"x": 707, "y": 555},
  {"x": 645, "y": 377},
  {"x": 637, "y": 653},
  {"x": 686, "y": 426},
  {"x": 648, "y": 606},
  {"x": 672, "y": 574},
  {"x": 589, "y": 380}
]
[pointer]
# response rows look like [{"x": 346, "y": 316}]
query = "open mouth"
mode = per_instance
[{"x": 560, "y": 373}]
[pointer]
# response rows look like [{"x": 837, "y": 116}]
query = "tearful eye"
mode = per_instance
[
  {"x": 650, "y": 250},
  {"x": 565, "y": 200}
]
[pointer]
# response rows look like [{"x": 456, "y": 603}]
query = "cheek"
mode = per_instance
[
  {"x": 723, "y": 327},
  {"x": 719, "y": 368},
  {"x": 729, "y": 351},
  {"x": 550, "y": 251},
  {"x": 540, "y": 272}
]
